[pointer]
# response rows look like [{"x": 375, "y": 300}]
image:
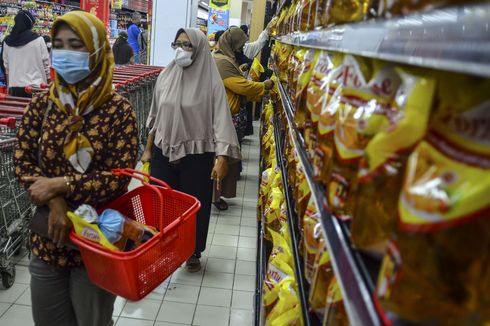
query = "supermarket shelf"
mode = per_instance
[
  {"x": 57, "y": 4},
  {"x": 454, "y": 39},
  {"x": 303, "y": 287},
  {"x": 347, "y": 266}
]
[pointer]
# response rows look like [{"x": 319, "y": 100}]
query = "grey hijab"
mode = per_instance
[{"x": 190, "y": 111}]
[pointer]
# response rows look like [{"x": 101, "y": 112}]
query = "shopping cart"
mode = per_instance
[
  {"x": 135, "y": 274},
  {"x": 35, "y": 89},
  {"x": 136, "y": 83},
  {"x": 15, "y": 208}
]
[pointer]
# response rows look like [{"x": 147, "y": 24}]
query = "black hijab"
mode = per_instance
[{"x": 22, "y": 31}]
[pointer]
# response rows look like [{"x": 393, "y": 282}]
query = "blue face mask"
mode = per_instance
[{"x": 72, "y": 66}]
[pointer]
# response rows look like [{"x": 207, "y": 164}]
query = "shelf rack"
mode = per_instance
[
  {"x": 453, "y": 39},
  {"x": 261, "y": 266},
  {"x": 303, "y": 287},
  {"x": 354, "y": 281}
]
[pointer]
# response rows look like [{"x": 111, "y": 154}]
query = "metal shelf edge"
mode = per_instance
[
  {"x": 453, "y": 39},
  {"x": 294, "y": 236},
  {"x": 357, "y": 299}
]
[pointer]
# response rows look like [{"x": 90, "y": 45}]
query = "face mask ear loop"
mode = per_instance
[{"x": 92, "y": 54}]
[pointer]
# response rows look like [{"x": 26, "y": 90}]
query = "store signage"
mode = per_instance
[
  {"x": 219, "y": 15},
  {"x": 99, "y": 8}
]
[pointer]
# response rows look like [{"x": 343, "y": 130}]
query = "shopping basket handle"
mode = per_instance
[{"x": 133, "y": 174}]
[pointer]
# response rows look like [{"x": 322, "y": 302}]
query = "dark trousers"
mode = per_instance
[
  {"x": 66, "y": 297},
  {"x": 249, "y": 130},
  {"x": 191, "y": 175},
  {"x": 19, "y": 92}
]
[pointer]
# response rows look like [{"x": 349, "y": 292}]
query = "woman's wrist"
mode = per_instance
[
  {"x": 62, "y": 185},
  {"x": 222, "y": 158}
]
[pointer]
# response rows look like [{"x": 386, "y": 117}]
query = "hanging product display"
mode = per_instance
[{"x": 45, "y": 13}]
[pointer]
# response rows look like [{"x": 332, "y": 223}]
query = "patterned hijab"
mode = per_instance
[{"x": 78, "y": 100}]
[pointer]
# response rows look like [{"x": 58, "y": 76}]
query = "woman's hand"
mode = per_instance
[
  {"x": 43, "y": 189},
  {"x": 244, "y": 67},
  {"x": 268, "y": 84},
  {"x": 220, "y": 170},
  {"x": 58, "y": 223},
  {"x": 146, "y": 157}
]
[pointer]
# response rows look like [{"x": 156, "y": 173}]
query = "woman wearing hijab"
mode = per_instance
[
  {"x": 69, "y": 140},
  {"x": 25, "y": 56},
  {"x": 192, "y": 138},
  {"x": 123, "y": 52},
  {"x": 238, "y": 90}
]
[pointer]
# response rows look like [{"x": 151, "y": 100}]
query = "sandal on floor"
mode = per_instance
[
  {"x": 193, "y": 264},
  {"x": 221, "y": 205}
]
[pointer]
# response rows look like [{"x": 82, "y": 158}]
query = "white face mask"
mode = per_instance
[
  {"x": 212, "y": 43},
  {"x": 183, "y": 58}
]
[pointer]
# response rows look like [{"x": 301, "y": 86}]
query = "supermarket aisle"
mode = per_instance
[{"x": 221, "y": 294}]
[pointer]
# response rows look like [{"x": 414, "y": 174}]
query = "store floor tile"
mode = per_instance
[{"x": 222, "y": 293}]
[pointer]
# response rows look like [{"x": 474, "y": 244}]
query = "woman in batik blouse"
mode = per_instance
[{"x": 69, "y": 140}]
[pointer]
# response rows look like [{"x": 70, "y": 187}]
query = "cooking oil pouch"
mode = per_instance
[
  {"x": 346, "y": 11},
  {"x": 382, "y": 168},
  {"x": 296, "y": 24},
  {"x": 113, "y": 230},
  {"x": 146, "y": 169},
  {"x": 443, "y": 213},
  {"x": 335, "y": 313},
  {"x": 281, "y": 22},
  {"x": 295, "y": 68},
  {"x": 321, "y": 280},
  {"x": 363, "y": 111},
  {"x": 304, "y": 195},
  {"x": 283, "y": 64},
  {"x": 273, "y": 23},
  {"x": 281, "y": 245},
  {"x": 265, "y": 181},
  {"x": 277, "y": 271},
  {"x": 351, "y": 72},
  {"x": 306, "y": 14},
  {"x": 287, "y": 300},
  {"x": 305, "y": 70},
  {"x": 289, "y": 19},
  {"x": 290, "y": 318},
  {"x": 273, "y": 212},
  {"x": 318, "y": 85},
  {"x": 274, "y": 92},
  {"x": 256, "y": 70},
  {"x": 299, "y": 183},
  {"x": 312, "y": 236}
]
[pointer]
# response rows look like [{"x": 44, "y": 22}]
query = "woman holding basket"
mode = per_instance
[{"x": 69, "y": 140}]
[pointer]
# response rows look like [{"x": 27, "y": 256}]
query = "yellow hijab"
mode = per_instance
[{"x": 79, "y": 100}]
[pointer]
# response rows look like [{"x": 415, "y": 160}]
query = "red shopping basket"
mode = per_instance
[{"x": 136, "y": 273}]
